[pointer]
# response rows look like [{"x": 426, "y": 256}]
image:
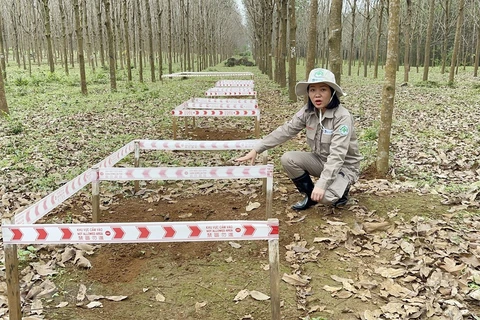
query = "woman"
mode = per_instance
[{"x": 335, "y": 158}]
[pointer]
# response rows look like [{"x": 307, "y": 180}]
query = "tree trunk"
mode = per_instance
[
  {"x": 3, "y": 99},
  {"x": 365, "y": 43},
  {"x": 408, "y": 30},
  {"x": 111, "y": 50},
  {"x": 140, "y": 42},
  {"x": 446, "y": 23},
  {"x": 458, "y": 35},
  {"x": 428, "y": 40},
  {"x": 150, "y": 41},
  {"x": 127, "y": 40},
  {"x": 61, "y": 7},
  {"x": 170, "y": 66},
  {"x": 48, "y": 36},
  {"x": 159, "y": 23},
  {"x": 2, "y": 51},
  {"x": 352, "y": 38},
  {"x": 292, "y": 62},
  {"x": 81, "y": 58},
  {"x": 312, "y": 38},
  {"x": 388, "y": 93},
  {"x": 335, "y": 39},
  {"x": 100, "y": 32},
  {"x": 477, "y": 54},
  {"x": 282, "y": 45},
  {"x": 377, "y": 43}
]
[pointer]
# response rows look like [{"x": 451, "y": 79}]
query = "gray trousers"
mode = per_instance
[{"x": 296, "y": 163}]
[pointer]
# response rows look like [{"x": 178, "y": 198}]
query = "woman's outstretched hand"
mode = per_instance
[{"x": 252, "y": 155}]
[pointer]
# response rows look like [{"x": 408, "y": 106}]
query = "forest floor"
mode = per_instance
[{"x": 406, "y": 247}]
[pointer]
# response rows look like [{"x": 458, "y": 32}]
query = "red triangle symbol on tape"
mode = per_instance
[
  {"x": 274, "y": 230},
  {"x": 17, "y": 234},
  {"x": 169, "y": 232},
  {"x": 118, "y": 233},
  {"x": 144, "y": 233},
  {"x": 42, "y": 234},
  {"x": 67, "y": 234},
  {"x": 195, "y": 231},
  {"x": 249, "y": 230}
]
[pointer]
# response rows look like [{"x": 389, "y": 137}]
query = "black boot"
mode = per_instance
[
  {"x": 343, "y": 200},
  {"x": 305, "y": 186}
]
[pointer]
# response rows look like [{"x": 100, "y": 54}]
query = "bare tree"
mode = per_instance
[
  {"x": 335, "y": 39},
  {"x": 428, "y": 39},
  {"x": 312, "y": 37},
  {"x": 3, "y": 99},
  {"x": 367, "y": 33},
  {"x": 2, "y": 50},
  {"x": 446, "y": 24},
  {"x": 111, "y": 50},
  {"x": 477, "y": 54},
  {"x": 458, "y": 35},
  {"x": 127, "y": 40},
  {"x": 140, "y": 41},
  {"x": 150, "y": 41},
  {"x": 61, "y": 7},
  {"x": 159, "y": 23},
  {"x": 292, "y": 63},
  {"x": 388, "y": 93},
  {"x": 170, "y": 66},
  {"x": 81, "y": 57},
  {"x": 379, "y": 35},
  {"x": 100, "y": 32},
  {"x": 352, "y": 36},
  {"x": 48, "y": 35},
  {"x": 408, "y": 27}
]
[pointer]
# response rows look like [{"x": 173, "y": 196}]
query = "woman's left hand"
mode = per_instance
[{"x": 317, "y": 194}]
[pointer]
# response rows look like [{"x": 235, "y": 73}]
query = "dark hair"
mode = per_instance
[{"x": 335, "y": 102}]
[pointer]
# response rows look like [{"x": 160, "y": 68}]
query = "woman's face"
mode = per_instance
[{"x": 320, "y": 95}]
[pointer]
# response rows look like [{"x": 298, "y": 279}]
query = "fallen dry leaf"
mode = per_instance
[{"x": 257, "y": 295}]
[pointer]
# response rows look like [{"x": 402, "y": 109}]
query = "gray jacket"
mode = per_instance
[{"x": 333, "y": 140}]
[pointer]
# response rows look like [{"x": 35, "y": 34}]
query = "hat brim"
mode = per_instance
[{"x": 301, "y": 88}]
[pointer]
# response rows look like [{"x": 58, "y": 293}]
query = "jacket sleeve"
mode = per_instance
[
  {"x": 284, "y": 132},
  {"x": 342, "y": 132}
]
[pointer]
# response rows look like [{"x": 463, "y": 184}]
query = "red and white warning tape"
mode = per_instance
[
  {"x": 185, "y": 173},
  {"x": 50, "y": 202},
  {"x": 216, "y": 113},
  {"x": 223, "y": 100},
  {"x": 197, "y": 144},
  {"x": 222, "y": 106},
  {"x": 118, "y": 155},
  {"x": 235, "y": 83},
  {"x": 140, "y": 232},
  {"x": 207, "y": 74},
  {"x": 232, "y": 92}
]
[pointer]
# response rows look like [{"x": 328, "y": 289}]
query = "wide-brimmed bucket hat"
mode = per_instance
[{"x": 319, "y": 75}]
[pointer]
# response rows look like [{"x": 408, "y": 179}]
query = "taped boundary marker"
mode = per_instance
[
  {"x": 207, "y": 74},
  {"x": 235, "y": 83},
  {"x": 138, "y": 233},
  {"x": 208, "y": 107},
  {"x": 54, "y": 199}
]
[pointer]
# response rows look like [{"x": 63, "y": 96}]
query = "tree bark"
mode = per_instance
[
  {"x": 2, "y": 51},
  {"x": 127, "y": 40},
  {"x": 408, "y": 30},
  {"x": 388, "y": 93},
  {"x": 428, "y": 40},
  {"x": 352, "y": 37},
  {"x": 100, "y": 32},
  {"x": 458, "y": 35},
  {"x": 170, "y": 66},
  {"x": 150, "y": 41},
  {"x": 3, "y": 99},
  {"x": 335, "y": 39},
  {"x": 61, "y": 7},
  {"x": 365, "y": 43},
  {"x": 111, "y": 50},
  {"x": 446, "y": 22},
  {"x": 477, "y": 54},
  {"x": 48, "y": 35},
  {"x": 81, "y": 58},
  {"x": 159, "y": 24},
  {"x": 140, "y": 41},
  {"x": 312, "y": 38},
  {"x": 377, "y": 43},
  {"x": 292, "y": 62}
]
